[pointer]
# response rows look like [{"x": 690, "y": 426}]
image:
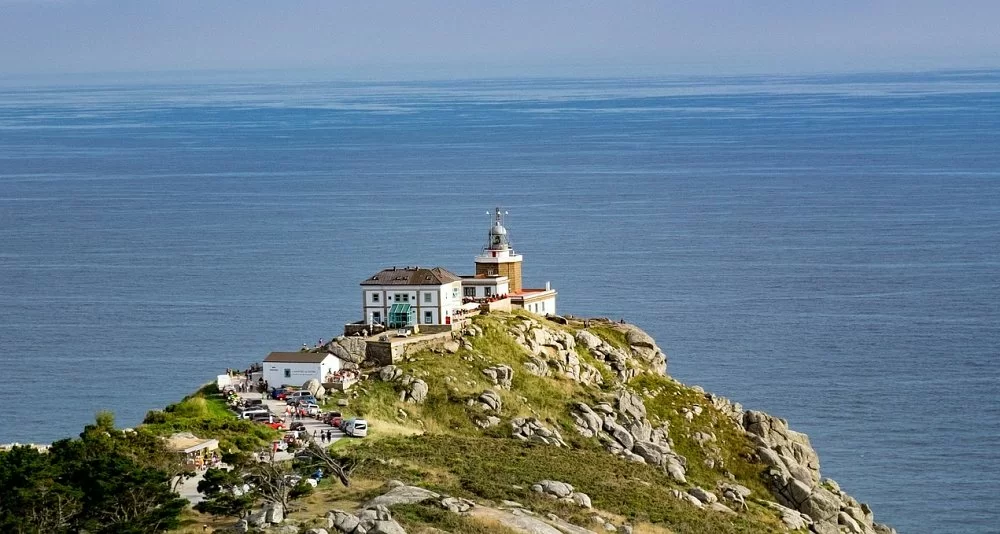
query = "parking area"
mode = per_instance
[{"x": 314, "y": 428}]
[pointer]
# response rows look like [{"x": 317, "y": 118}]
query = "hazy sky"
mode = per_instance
[{"x": 402, "y": 38}]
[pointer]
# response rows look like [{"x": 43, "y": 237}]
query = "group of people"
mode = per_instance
[{"x": 325, "y": 436}]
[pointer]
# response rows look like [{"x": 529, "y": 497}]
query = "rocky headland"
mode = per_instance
[{"x": 525, "y": 424}]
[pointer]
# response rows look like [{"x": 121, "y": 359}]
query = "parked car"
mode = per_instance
[
  {"x": 297, "y": 426},
  {"x": 308, "y": 408},
  {"x": 277, "y": 425},
  {"x": 356, "y": 428},
  {"x": 302, "y": 399},
  {"x": 297, "y": 393},
  {"x": 248, "y": 414},
  {"x": 332, "y": 418},
  {"x": 265, "y": 417}
]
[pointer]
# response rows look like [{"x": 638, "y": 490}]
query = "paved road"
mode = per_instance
[{"x": 188, "y": 489}]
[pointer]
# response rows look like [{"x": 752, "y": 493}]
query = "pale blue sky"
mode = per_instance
[{"x": 455, "y": 39}]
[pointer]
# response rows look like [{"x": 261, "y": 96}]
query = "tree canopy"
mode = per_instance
[{"x": 106, "y": 481}]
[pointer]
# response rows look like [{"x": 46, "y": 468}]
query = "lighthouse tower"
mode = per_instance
[{"x": 498, "y": 259}]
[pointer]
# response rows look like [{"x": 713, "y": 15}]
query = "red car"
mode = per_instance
[
  {"x": 277, "y": 425},
  {"x": 333, "y": 419}
]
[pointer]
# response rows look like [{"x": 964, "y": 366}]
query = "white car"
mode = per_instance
[
  {"x": 356, "y": 428},
  {"x": 310, "y": 408}
]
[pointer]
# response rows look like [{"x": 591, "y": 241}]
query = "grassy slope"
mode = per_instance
[
  {"x": 206, "y": 414},
  {"x": 437, "y": 445}
]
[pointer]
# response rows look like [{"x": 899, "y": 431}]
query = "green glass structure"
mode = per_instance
[{"x": 401, "y": 316}]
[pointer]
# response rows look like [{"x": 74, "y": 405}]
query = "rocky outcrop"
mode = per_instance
[
  {"x": 348, "y": 349},
  {"x": 562, "y": 491},
  {"x": 457, "y": 505},
  {"x": 390, "y": 373},
  {"x": 642, "y": 353},
  {"x": 533, "y": 430},
  {"x": 626, "y": 432},
  {"x": 490, "y": 400},
  {"x": 414, "y": 390},
  {"x": 553, "y": 352},
  {"x": 402, "y": 494},
  {"x": 500, "y": 375},
  {"x": 315, "y": 388}
]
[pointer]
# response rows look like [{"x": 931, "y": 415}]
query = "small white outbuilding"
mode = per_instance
[{"x": 295, "y": 368}]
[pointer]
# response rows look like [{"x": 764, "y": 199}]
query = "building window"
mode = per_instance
[
  {"x": 375, "y": 297},
  {"x": 288, "y": 373},
  {"x": 376, "y": 317},
  {"x": 428, "y": 317},
  {"x": 402, "y": 297},
  {"x": 543, "y": 306},
  {"x": 427, "y": 297},
  {"x": 488, "y": 291},
  {"x": 470, "y": 291}
]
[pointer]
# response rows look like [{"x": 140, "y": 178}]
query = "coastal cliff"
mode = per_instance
[
  {"x": 515, "y": 424},
  {"x": 524, "y": 424}
]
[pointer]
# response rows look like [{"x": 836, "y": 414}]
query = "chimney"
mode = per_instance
[{"x": 548, "y": 286}]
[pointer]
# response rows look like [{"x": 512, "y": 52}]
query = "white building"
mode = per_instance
[
  {"x": 484, "y": 287},
  {"x": 541, "y": 301},
  {"x": 405, "y": 296},
  {"x": 295, "y": 368}
]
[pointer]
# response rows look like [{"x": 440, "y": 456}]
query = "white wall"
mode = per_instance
[
  {"x": 274, "y": 372},
  {"x": 451, "y": 299},
  {"x": 542, "y": 306},
  {"x": 496, "y": 287},
  {"x": 443, "y": 300}
]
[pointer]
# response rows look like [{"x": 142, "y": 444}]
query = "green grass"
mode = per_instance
[
  {"x": 206, "y": 414},
  {"x": 611, "y": 335},
  {"x": 454, "y": 456},
  {"x": 497, "y": 469}
]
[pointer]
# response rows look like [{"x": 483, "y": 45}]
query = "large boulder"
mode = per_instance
[
  {"x": 631, "y": 405},
  {"x": 491, "y": 400},
  {"x": 415, "y": 392},
  {"x": 400, "y": 495},
  {"x": 315, "y": 387},
  {"x": 651, "y": 452},
  {"x": 553, "y": 487},
  {"x": 588, "y": 340},
  {"x": 581, "y": 499},
  {"x": 703, "y": 495},
  {"x": 636, "y": 337},
  {"x": 389, "y": 526},
  {"x": 536, "y": 366},
  {"x": 342, "y": 521},
  {"x": 390, "y": 373},
  {"x": 274, "y": 513},
  {"x": 500, "y": 375},
  {"x": 349, "y": 349}
]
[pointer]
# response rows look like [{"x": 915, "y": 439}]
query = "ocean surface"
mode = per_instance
[{"x": 824, "y": 248}]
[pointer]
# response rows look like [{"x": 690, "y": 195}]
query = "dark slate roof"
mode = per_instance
[
  {"x": 296, "y": 357},
  {"x": 411, "y": 276}
]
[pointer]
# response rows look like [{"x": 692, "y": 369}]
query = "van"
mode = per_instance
[
  {"x": 248, "y": 414},
  {"x": 356, "y": 428}
]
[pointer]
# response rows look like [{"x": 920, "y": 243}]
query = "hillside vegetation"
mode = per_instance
[{"x": 518, "y": 400}]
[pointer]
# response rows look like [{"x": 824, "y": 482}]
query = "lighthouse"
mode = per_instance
[{"x": 498, "y": 258}]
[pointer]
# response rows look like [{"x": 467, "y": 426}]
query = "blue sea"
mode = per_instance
[{"x": 825, "y": 248}]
